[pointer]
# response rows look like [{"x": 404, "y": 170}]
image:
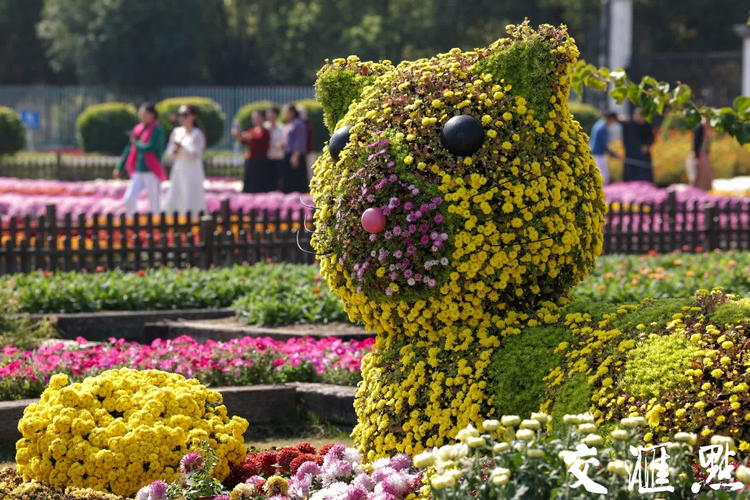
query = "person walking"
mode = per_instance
[
  {"x": 275, "y": 148},
  {"x": 295, "y": 178},
  {"x": 186, "y": 193},
  {"x": 704, "y": 171},
  {"x": 142, "y": 160},
  {"x": 638, "y": 138},
  {"x": 599, "y": 144},
  {"x": 259, "y": 174}
]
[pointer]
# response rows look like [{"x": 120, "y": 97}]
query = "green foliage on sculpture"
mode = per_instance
[
  {"x": 12, "y": 132},
  {"x": 679, "y": 363},
  {"x": 457, "y": 203},
  {"x": 210, "y": 116},
  {"x": 104, "y": 128},
  {"x": 341, "y": 82}
]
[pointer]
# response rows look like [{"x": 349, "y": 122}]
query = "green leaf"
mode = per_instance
[
  {"x": 742, "y": 105},
  {"x": 692, "y": 116},
  {"x": 681, "y": 95}
]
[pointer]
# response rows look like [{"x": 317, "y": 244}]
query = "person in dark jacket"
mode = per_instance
[
  {"x": 295, "y": 178},
  {"x": 704, "y": 171},
  {"x": 638, "y": 139}
]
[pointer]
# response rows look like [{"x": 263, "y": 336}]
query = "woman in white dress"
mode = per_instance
[{"x": 186, "y": 145}]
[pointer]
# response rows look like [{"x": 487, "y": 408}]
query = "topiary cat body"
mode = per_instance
[{"x": 489, "y": 219}]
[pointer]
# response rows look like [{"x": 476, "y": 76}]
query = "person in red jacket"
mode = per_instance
[{"x": 259, "y": 173}]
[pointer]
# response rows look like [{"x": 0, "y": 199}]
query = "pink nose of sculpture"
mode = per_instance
[{"x": 373, "y": 220}]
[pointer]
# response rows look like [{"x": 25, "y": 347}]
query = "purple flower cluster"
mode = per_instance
[
  {"x": 343, "y": 477},
  {"x": 411, "y": 253}
]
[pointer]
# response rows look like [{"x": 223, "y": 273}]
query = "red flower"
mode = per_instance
[
  {"x": 653, "y": 252},
  {"x": 297, "y": 462},
  {"x": 100, "y": 269},
  {"x": 141, "y": 273},
  {"x": 306, "y": 447},
  {"x": 267, "y": 461},
  {"x": 325, "y": 449},
  {"x": 286, "y": 456}
]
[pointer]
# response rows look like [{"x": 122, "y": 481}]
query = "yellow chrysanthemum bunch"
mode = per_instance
[
  {"x": 474, "y": 247},
  {"x": 123, "y": 429}
]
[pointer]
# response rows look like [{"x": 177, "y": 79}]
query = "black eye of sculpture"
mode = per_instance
[
  {"x": 338, "y": 141},
  {"x": 462, "y": 135}
]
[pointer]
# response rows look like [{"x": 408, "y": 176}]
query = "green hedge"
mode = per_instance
[
  {"x": 245, "y": 114},
  {"x": 103, "y": 128},
  {"x": 210, "y": 116},
  {"x": 585, "y": 114},
  {"x": 12, "y": 133}
]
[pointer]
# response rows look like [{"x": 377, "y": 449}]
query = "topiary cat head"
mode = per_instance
[{"x": 456, "y": 188}]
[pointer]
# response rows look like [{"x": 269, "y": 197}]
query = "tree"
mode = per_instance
[
  {"x": 22, "y": 58},
  {"x": 130, "y": 43}
]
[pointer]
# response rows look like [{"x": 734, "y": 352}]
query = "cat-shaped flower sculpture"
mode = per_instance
[{"x": 457, "y": 201}]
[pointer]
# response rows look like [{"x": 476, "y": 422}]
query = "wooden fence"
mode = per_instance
[
  {"x": 107, "y": 242},
  {"x": 640, "y": 228},
  {"x": 222, "y": 239}
]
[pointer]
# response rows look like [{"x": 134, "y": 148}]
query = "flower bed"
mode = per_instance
[
  {"x": 504, "y": 459},
  {"x": 246, "y": 361},
  {"x": 25, "y": 197},
  {"x": 277, "y": 294},
  {"x": 123, "y": 429},
  {"x": 632, "y": 278}
]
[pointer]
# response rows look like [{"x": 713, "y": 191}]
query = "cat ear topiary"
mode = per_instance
[
  {"x": 341, "y": 82},
  {"x": 533, "y": 62}
]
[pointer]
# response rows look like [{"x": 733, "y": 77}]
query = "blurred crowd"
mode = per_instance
[
  {"x": 638, "y": 140},
  {"x": 277, "y": 156}
]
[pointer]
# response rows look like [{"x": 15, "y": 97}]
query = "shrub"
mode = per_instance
[
  {"x": 315, "y": 115},
  {"x": 245, "y": 114},
  {"x": 12, "y": 132},
  {"x": 586, "y": 114},
  {"x": 18, "y": 329},
  {"x": 103, "y": 128},
  {"x": 143, "y": 421},
  {"x": 210, "y": 116}
]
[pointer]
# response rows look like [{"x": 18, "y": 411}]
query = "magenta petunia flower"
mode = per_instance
[{"x": 439, "y": 218}]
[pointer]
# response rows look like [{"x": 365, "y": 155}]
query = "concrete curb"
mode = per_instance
[
  {"x": 259, "y": 405},
  {"x": 129, "y": 325},
  {"x": 331, "y": 403},
  {"x": 205, "y": 331}
]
